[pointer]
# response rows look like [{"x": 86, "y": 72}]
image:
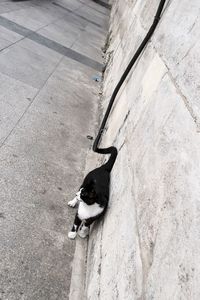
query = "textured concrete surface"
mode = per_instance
[
  {"x": 48, "y": 104},
  {"x": 79, "y": 266},
  {"x": 147, "y": 246}
]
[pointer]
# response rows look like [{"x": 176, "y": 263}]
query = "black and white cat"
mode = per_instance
[{"x": 93, "y": 196}]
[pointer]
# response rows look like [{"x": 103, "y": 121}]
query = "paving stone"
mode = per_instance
[{"x": 48, "y": 105}]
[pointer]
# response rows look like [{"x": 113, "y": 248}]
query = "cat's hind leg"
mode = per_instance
[
  {"x": 85, "y": 228},
  {"x": 84, "y": 231},
  {"x": 73, "y": 233}
]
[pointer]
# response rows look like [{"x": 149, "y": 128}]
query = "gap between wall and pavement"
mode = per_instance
[{"x": 79, "y": 264}]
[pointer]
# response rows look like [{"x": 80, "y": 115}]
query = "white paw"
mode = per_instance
[
  {"x": 73, "y": 202},
  {"x": 83, "y": 232},
  {"x": 72, "y": 235}
]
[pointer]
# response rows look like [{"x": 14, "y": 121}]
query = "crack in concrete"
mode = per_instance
[
  {"x": 184, "y": 98},
  {"x": 100, "y": 262},
  {"x": 178, "y": 89},
  {"x": 193, "y": 25},
  {"x": 187, "y": 53}
]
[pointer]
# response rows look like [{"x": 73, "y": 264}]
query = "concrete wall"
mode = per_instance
[{"x": 147, "y": 246}]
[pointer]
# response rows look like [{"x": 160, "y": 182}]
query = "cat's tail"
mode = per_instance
[{"x": 111, "y": 150}]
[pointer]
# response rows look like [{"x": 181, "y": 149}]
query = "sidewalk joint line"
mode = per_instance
[
  {"x": 42, "y": 40},
  {"x": 76, "y": 14},
  {"x": 30, "y": 104}
]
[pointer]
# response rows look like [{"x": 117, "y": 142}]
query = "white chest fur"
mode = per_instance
[{"x": 88, "y": 211}]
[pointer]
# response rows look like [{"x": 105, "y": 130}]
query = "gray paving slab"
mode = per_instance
[
  {"x": 15, "y": 97},
  {"x": 93, "y": 15},
  {"x": 102, "y": 7},
  {"x": 88, "y": 47},
  {"x": 72, "y": 5},
  {"x": 90, "y": 43},
  {"x": 75, "y": 55},
  {"x": 29, "y": 67},
  {"x": 72, "y": 20},
  {"x": 49, "y": 8},
  {"x": 65, "y": 36},
  {"x": 20, "y": 17},
  {"x": 14, "y": 27},
  {"x": 74, "y": 13},
  {"x": 8, "y": 6},
  {"x": 9, "y": 35},
  {"x": 33, "y": 18},
  {"x": 103, "y": 3},
  {"x": 42, "y": 163},
  {"x": 4, "y": 43},
  {"x": 48, "y": 105},
  {"x": 51, "y": 44},
  {"x": 40, "y": 50}
]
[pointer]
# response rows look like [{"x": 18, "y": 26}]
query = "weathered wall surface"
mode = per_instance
[{"x": 147, "y": 246}]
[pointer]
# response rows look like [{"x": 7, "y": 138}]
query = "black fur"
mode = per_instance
[{"x": 95, "y": 187}]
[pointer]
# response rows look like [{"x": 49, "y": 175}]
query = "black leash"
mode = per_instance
[{"x": 128, "y": 69}]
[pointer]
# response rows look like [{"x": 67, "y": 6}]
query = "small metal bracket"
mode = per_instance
[{"x": 89, "y": 137}]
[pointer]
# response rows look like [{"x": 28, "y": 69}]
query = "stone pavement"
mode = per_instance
[{"x": 50, "y": 52}]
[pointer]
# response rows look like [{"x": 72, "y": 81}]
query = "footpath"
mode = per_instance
[{"x": 50, "y": 53}]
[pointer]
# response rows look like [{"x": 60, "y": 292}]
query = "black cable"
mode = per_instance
[{"x": 125, "y": 74}]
